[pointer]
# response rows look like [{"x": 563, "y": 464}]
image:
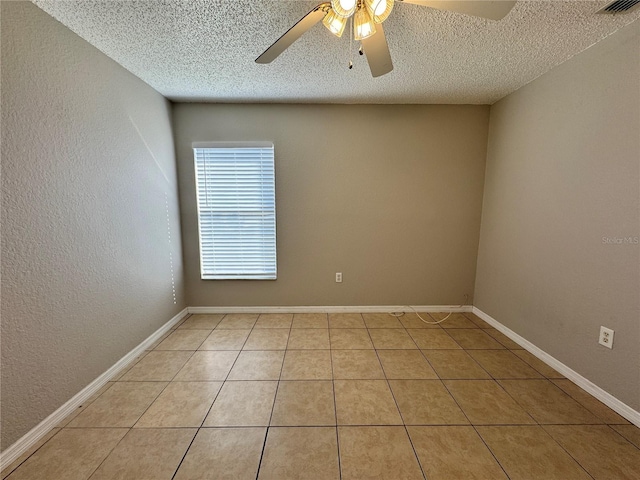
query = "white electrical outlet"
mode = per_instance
[
  {"x": 338, "y": 277},
  {"x": 606, "y": 337}
]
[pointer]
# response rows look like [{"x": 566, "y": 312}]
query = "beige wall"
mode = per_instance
[
  {"x": 388, "y": 195},
  {"x": 88, "y": 196},
  {"x": 562, "y": 173}
]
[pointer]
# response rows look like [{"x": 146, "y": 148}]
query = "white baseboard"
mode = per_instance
[
  {"x": 612, "y": 402},
  {"x": 334, "y": 309},
  {"x": 40, "y": 430}
]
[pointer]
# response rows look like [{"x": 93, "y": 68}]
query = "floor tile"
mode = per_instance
[
  {"x": 502, "y": 338},
  {"x": 304, "y": 453},
  {"x": 225, "y": 340},
  {"x": 630, "y": 432},
  {"x": 81, "y": 408},
  {"x": 405, "y": 364},
  {"x": 7, "y": 469},
  {"x": 160, "y": 339},
  {"x": 201, "y": 322},
  {"x": 362, "y": 402},
  {"x": 365, "y": 402},
  {"x": 449, "y": 453},
  {"x": 474, "y": 338},
  {"x": 240, "y": 321},
  {"x": 455, "y": 364},
  {"x": 73, "y": 454},
  {"x": 350, "y": 338},
  {"x": 267, "y": 339},
  {"x": 307, "y": 365},
  {"x": 433, "y": 339},
  {"x": 589, "y": 402},
  {"x": 600, "y": 450},
  {"x": 477, "y": 320},
  {"x": 310, "y": 320},
  {"x": 147, "y": 453},
  {"x": 377, "y": 452},
  {"x": 274, "y": 320},
  {"x": 182, "y": 319},
  {"x": 223, "y": 454},
  {"x": 184, "y": 340},
  {"x": 411, "y": 320},
  {"x": 547, "y": 403},
  {"x": 486, "y": 403},
  {"x": 124, "y": 370},
  {"x": 456, "y": 320},
  {"x": 181, "y": 404},
  {"x": 346, "y": 320},
  {"x": 120, "y": 406},
  {"x": 242, "y": 404},
  {"x": 257, "y": 365},
  {"x": 426, "y": 402},
  {"x": 207, "y": 366},
  {"x": 537, "y": 364},
  {"x": 391, "y": 338},
  {"x": 304, "y": 403},
  {"x": 157, "y": 366},
  {"x": 356, "y": 364},
  {"x": 309, "y": 339},
  {"x": 503, "y": 364},
  {"x": 381, "y": 320},
  {"x": 529, "y": 453}
]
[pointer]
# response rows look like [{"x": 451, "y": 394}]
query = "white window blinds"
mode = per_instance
[{"x": 236, "y": 210}]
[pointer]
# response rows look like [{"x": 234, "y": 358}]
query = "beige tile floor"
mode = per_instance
[{"x": 316, "y": 396}]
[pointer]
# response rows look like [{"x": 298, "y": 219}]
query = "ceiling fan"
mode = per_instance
[{"x": 366, "y": 17}]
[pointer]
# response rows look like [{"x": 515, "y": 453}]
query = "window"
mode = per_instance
[{"x": 235, "y": 185}]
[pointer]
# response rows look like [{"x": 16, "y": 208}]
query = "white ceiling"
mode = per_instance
[{"x": 204, "y": 50}]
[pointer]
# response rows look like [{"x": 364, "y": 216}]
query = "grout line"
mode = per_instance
[
  {"x": 109, "y": 454},
  {"x": 275, "y": 396},
  {"x": 145, "y": 411},
  {"x": 618, "y": 433},
  {"x": 361, "y": 424},
  {"x": 565, "y": 450},
  {"x": 404, "y": 425},
  {"x": 214, "y": 398},
  {"x": 333, "y": 389},
  {"x": 475, "y": 429},
  {"x": 185, "y": 453},
  {"x": 6, "y": 472}
]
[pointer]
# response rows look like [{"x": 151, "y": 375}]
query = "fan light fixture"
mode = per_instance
[
  {"x": 366, "y": 17},
  {"x": 335, "y": 23},
  {"x": 380, "y": 9},
  {"x": 344, "y": 8},
  {"x": 365, "y": 13},
  {"x": 363, "y": 25}
]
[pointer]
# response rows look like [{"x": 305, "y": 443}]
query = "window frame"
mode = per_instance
[{"x": 235, "y": 145}]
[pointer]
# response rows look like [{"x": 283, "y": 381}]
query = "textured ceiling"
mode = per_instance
[{"x": 204, "y": 50}]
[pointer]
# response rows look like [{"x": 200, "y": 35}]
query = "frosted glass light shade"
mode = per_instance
[
  {"x": 363, "y": 25},
  {"x": 344, "y": 8},
  {"x": 379, "y": 9},
  {"x": 335, "y": 23}
]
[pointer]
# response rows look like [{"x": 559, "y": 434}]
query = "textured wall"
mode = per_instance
[
  {"x": 88, "y": 197},
  {"x": 562, "y": 189},
  {"x": 388, "y": 195}
]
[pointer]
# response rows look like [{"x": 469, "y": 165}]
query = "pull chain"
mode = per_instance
[{"x": 351, "y": 43}]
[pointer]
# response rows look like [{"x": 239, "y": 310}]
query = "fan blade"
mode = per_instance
[
  {"x": 377, "y": 51},
  {"x": 491, "y": 9},
  {"x": 294, "y": 33}
]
